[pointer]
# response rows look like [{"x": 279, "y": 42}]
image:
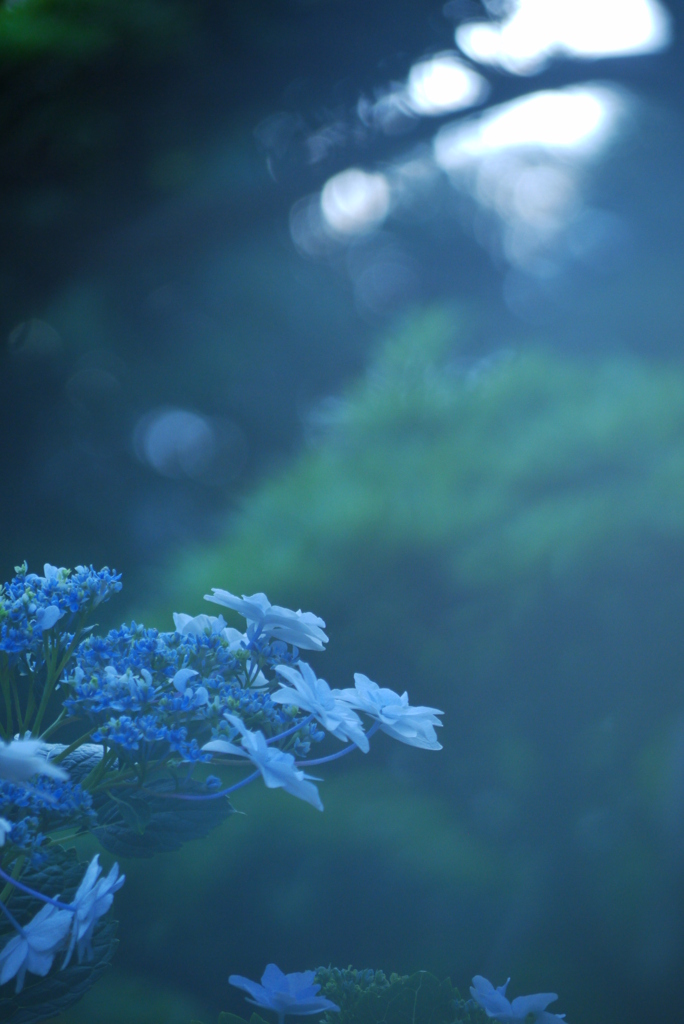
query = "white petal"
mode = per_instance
[
  {"x": 180, "y": 680},
  {"x": 223, "y": 747}
]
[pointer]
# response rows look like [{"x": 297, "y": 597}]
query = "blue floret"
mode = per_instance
[{"x": 31, "y": 605}]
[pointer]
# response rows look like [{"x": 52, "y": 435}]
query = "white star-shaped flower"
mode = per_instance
[
  {"x": 394, "y": 715},
  {"x": 302, "y": 629},
  {"x": 93, "y": 898},
  {"x": 35, "y": 949},
  {"x": 277, "y": 768},
  {"x": 495, "y": 1004},
  {"x": 314, "y": 695}
]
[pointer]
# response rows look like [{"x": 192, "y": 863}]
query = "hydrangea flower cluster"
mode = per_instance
[
  {"x": 161, "y": 692},
  {"x": 112, "y": 735},
  {"x": 298, "y": 994},
  {"x": 39, "y": 809},
  {"x": 32, "y": 605}
]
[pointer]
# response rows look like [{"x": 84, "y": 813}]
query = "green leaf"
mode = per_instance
[
  {"x": 61, "y": 873},
  {"x": 80, "y": 762},
  {"x": 53, "y": 994},
  {"x": 136, "y": 812},
  {"x": 149, "y": 821}
]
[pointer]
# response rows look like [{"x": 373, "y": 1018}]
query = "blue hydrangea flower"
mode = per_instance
[
  {"x": 153, "y": 692},
  {"x": 285, "y": 994},
  {"x": 48, "y": 617},
  {"x": 32, "y": 811},
  {"x": 31, "y": 605},
  {"x": 495, "y": 1004}
]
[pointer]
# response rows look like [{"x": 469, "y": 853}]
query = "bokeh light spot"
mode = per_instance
[
  {"x": 355, "y": 201},
  {"x": 539, "y": 30},
  {"x": 175, "y": 442},
  {"x": 579, "y": 119},
  {"x": 442, "y": 84}
]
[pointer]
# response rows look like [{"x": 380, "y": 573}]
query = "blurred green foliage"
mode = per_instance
[
  {"x": 120, "y": 998},
  {"x": 260, "y": 887},
  {"x": 85, "y": 28},
  {"x": 504, "y": 538},
  {"x": 504, "y": 474}
]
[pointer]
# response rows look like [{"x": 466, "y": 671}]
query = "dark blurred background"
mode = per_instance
[{"x": 304, "y": 296}]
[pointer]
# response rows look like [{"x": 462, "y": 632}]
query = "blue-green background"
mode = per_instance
[{"x": 487, "y": 511}]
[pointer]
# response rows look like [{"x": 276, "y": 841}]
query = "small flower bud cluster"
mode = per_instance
[
  {"x": 47, "y": 804},
  {"x": 31, "y": 605},
  {"x": 154, "y": 694}
]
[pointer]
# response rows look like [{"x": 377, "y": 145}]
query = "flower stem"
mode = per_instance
[
  {"x": 17, "y": 709},
  {"x": 295, "y": 728},
  {"x": 210, "y": 796},
  {"x": 54, "y": 673},
  {"x": 12, "y": 920},
  {"x": 96, "y": 774},
  {"x": 6, "y": 684},
  {"x": 340, "y": 753},
  {"x": 32, "y": 892},
  {"x": 54, "y": 725},
  {"x": 16, "y": 871}
]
